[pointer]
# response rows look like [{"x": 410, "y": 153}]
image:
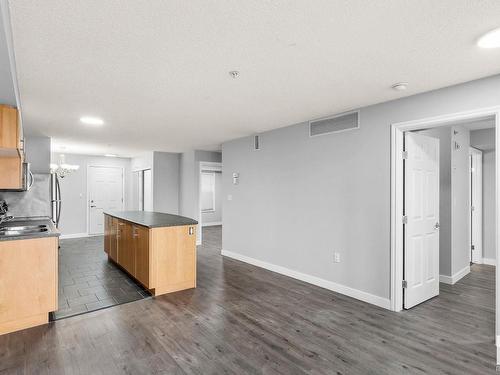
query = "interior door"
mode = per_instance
[
  {"x": 476, "y": 204},
  {"x": 105, "y": 194},
  {"x": 421, "y": 230}
]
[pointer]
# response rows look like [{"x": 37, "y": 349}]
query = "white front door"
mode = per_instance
[
  {"x": 105, "y": 194},
  {"x": 476, "y": 205},
  {"x": 421, "y": 230}
]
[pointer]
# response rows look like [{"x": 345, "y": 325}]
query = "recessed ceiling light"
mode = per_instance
[
  {"x": 110, "y": 155},
  {"x": 490, "y": 40},
  {"x": 400, "y": 86},
  {"x": 91, "y": 120},
  {"x": 234, "y": 74}
]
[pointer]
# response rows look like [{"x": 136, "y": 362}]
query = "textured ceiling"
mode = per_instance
[{"x": 157, "y": 71}]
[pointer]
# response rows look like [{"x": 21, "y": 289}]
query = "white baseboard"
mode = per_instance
[
  {"x": 73, "y": 235},
  {"x": 454, "y": 278},
  {"x": 351, "y": 292},
  {"x": 490, "y": 261},
  {"x": 211, "y": 224},
  {"x": 498, "y": 352}
]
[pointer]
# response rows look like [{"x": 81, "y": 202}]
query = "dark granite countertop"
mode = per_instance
[
  {"x": 31, "y": 221},
  {"x": 152, "y": 219}
]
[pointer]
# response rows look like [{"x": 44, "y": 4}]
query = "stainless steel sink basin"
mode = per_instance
[
  {"x": 23, "y": 227},
  {"x": 24, "y": 230},
  {"x": 9, "y": 233}
]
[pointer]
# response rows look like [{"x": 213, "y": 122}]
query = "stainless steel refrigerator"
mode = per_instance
[{"x": 55, "y": 198}]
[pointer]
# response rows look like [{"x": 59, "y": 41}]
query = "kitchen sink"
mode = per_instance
[
  {"x": 24, "y": 230},
  {"x": 22, "y": 227}
]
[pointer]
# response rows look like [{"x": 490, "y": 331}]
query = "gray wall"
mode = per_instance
[
  {"x": 74, "y": 190},
  {"x": 300, "y": 199},
  {"x": 216, "y": 215},
  {"x": 166, "y": 182},
  {"x": 444, "y": 136},
  {"x": 38, "y": 153},
  {"x": 7, "y": 95}
]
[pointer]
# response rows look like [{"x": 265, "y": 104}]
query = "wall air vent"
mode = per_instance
[
  {"x": 256, "y": 142},
  {"x": 334, "y": 124}
]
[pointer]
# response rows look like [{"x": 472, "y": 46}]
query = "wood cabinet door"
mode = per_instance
[
  {"x": 141, "y": 253},
  {"x": 23, "y": 292},
  {"x": 9, "y": 128},
  {"x": 126, "y": 257},
  {"x": 113, "y": 240}
]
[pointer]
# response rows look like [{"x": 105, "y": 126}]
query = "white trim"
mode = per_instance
[
  {"x": 330, "y": 285},
  {"x": 454, "y": 278},
  {"x": 212, "y": 224},
  {"x": 198, "y": 242},
  {"x": 397, "y": 130},
  {"x": 74, "y": 235},
  {"x": 87, "y": 202},
  {"x": 490, "y": 261}
]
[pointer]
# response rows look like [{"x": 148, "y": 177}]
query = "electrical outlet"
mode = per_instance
[{"x": 336, "y": 257}]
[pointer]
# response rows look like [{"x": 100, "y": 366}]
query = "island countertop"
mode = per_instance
[{"x": 152, "y": 219}]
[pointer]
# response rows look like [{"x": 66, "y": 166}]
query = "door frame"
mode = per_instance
[
  {"x": 474, "y": 153},
  {"x": 397, "y": 178},
  {"x": 87, "y": 201},
  {"x": 204, "y": 165}
]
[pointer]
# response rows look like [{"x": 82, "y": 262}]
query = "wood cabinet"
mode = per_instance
[
  {"x": 141, "y": 252},
  {"x": 28, "y": 282},
  {"x": 11, "y": 152},
  {"x": 162, "y": 259},
  {"x": 10, "y": 134}
]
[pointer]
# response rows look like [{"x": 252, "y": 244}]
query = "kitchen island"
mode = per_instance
[{"x": 157, "y": 249}]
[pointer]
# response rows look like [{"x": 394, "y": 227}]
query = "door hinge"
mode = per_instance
[
  {"x": 404, "y": 219},
  {"x": 472, "y": 208},
  {"x": 472, "y": 247},
  {"x": 404, "y": 155},
  {"x": 405, "y": 284}
]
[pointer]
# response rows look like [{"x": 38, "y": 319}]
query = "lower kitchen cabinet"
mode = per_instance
[
  {"x": 28, "y": 282},
  {"x": 162, "y": 259}
]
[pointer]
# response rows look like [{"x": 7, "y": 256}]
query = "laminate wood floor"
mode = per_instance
[{"x": 246, "y": 320}]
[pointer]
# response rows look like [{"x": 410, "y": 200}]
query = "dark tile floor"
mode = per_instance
[{"x": 88, "y": 281}]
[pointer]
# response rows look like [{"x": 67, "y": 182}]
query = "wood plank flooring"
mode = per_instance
[{"x": 246, "y": 320}]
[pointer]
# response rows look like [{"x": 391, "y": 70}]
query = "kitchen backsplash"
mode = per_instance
[{"x": 35, "y": 202}]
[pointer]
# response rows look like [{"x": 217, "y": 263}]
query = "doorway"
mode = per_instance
[
  {"x": 476, "y": 205},
  {"x": 105, "y": 193},
  {"x": 142, "y": 193},
  {"x": 210, "y": 197},
  {"x": 398, "y": 226}
]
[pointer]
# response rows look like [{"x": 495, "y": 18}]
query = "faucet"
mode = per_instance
[{"x": 4, "y": 210}]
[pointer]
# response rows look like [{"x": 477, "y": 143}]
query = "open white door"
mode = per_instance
[
  {"x": 421, "y": 229},
  {"x": 476, "y": 205}
]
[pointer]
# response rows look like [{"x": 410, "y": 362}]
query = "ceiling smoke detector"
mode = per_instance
[
  {"x": 490, "y": 40},
  {"x": 234, "y": 74},
  {"x": 400, "y": 86}
]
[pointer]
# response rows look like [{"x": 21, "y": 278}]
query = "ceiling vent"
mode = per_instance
[{"x": 334, "y": 124}]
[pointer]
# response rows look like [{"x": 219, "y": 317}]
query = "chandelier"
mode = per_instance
[{"x": 63, "y": 169}]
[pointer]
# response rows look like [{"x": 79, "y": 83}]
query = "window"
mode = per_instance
[{"x": 207, "y": 192}]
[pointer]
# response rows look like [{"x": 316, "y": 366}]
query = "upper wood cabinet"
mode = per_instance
[{"x": 10, "y": 132}]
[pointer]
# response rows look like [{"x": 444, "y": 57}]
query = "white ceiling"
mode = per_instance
[{"x": 157, "y": 71}]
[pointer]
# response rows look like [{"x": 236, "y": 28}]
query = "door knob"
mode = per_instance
[{"x": 436, "y": 226}]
